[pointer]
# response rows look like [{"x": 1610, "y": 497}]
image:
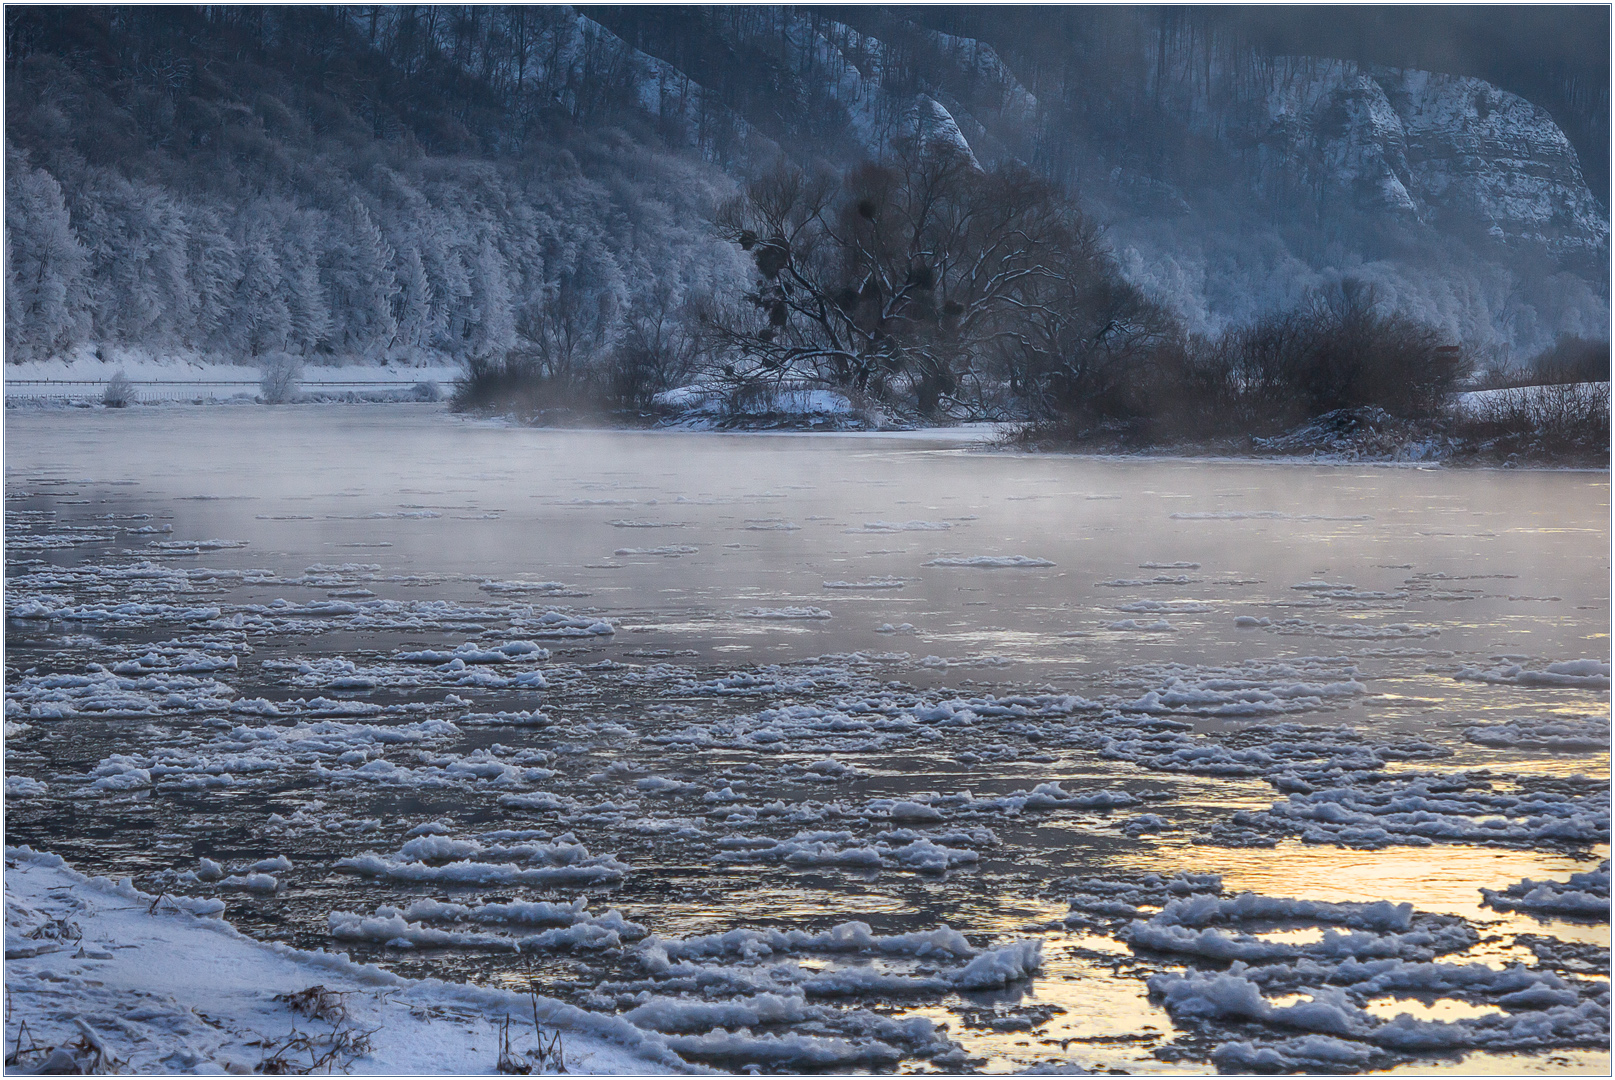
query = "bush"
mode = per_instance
[
  {"x": 1557, "y": 422},
  {"x": 1339, "y": 350},
  {"x": 517, "y": 382},
  {"x": 119, "y": 392},
  {"x": 282, "y": 375}
]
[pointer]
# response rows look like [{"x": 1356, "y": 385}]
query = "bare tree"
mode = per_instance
[{"x": 926, "y": 280}]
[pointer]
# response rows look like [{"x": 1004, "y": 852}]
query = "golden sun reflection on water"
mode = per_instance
[
  {"x": 1444, "y": 880},
  {"x": 1094, "y": 1019}
]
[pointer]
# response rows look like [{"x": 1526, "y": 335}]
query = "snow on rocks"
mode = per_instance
[
  {"x": 1584, "y": 896},
  {"x": 145, "y": 970}
]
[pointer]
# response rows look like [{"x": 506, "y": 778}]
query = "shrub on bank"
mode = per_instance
[
  {"x": 1340, "y": 349},
  {"x": 1564, "y": 422}
]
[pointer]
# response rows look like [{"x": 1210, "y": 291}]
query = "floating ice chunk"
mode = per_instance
[
  {"x": 789, "y": 1052},
  {"x": 1144, "y": 823},
  {"x": 259, "y": 883},
  {"x": 868, "y": 583},
  {"x": 991, "y": 562},
  {"x": 831, "y": 769},
  {"x": 1247, "y": 907},
  {"x": 1264, "y": 515},
  {"x": 1252, "y": 621},
  {"x": 668, "y": 550},
  {"x": 1352, "y": 631},
  {"x": 1165, "y": 607},
  {"x": 1591, "y": 674},
  {"x": 900, "y": 628},
  {"x": 1585, "y": 895},
  {"x": 1428, "y": 809},
  {"x": 772, "y": 525},
  {"x": 192, "y": 547},
  {"x": 1306, "y": 1054},
  {"x": 784, "y": 613},
  {"x": 557, "y": 624},
  {"x": 847, "y": 937},
  {"x": 999, "y": 967},
  {"x": 902, "y": 526},
  {"x": 23, "y": 787},
  {"x": 278, "y": 864},
  {"x": 1169, "y": 566},
  {"x": 492, "y": 586},
  {"x": 518, "y": 718},
  {"x": 1549, "y": 733},
  {"x": 1158, "y": 626},
  {"x": 657, "y": 785}
]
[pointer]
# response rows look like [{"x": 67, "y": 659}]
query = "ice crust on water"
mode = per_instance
[
  {"x": 991, "y": 562},
  {"x": 868, "y": 583},
  {"x": 1584, "y": 896}
]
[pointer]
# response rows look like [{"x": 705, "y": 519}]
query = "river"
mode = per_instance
[{"x": 756, "y": 683}]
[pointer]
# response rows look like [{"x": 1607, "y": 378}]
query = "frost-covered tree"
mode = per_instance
[
  {"x": 44, "y": 263},
  {"x": 259, "y": 319},
  {"x": 357, "y": 269}
]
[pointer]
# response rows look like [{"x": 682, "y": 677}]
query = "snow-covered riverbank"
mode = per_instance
[{"x": 115, "y": 979}]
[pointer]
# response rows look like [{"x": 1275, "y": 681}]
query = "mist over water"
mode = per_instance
[{"x": 847, "y": 629}]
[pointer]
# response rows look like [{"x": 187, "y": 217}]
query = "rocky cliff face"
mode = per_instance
[
  {"x": 1231, "y": 183},
  {"x": 1450, "y": 152}
]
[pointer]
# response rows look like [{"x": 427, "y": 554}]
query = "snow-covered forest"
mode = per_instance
[{"x": 236, "y": 210}]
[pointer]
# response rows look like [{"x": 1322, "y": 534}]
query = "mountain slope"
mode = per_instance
[{"x": 370, "y": 183}]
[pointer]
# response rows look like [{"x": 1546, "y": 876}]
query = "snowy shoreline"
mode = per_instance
[{"x": 95, "y": 966}]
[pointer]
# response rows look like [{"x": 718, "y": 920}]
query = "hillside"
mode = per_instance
[{"x": 445, "y": 184}]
